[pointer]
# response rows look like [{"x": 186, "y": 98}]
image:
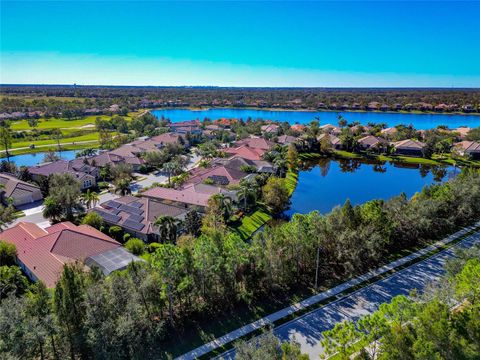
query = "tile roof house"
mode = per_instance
[
  {"x": 169, "y": 138},
  {"x": 462, "y": 131},
  {"x": 469, "y": 148},
  {"x": 86, "y": 174},
  {"x": 19, "y": 191},
  {"x": 218, "y": 174},
  {"x": 193, "y": 196},
  {"x": 389, "y": 132},
  {"x": 334, "y": 141},
  {"x": 256, "y": 143},
  {"x": 298, "y": 127},
  {"x": 105, "y": 158},
  {"x": 246, "y": 152},
  {"x": 237, "y": 162},
  {"x": 286, "y": 139},
  {"x": 330, "y": 129},
  {"x": 186, "y": 127},
  {"x": 137, "y": 215},
  {"x": 42, "y": 253},
  {"x": 371, "y": 142},
  {"x": 270, "y": 129},
  {"x": 409, "y": 147}
]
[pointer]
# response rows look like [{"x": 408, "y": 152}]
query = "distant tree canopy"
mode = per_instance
[{"x": 98, "y": 99}]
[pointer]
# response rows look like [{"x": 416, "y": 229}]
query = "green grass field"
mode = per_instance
[
  {"x": 92, "y": 136},
  {"x": 70, "y": 133},
  {"x": 251, "y": 223},
  {"x": 56, "y": 123}
]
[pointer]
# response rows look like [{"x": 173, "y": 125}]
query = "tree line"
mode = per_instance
[
  {"x": 130, "y": 314},
  {"x": 80, "y": 98}
]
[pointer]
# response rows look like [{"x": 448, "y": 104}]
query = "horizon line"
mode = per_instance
[{"x": 248, "y": 87}]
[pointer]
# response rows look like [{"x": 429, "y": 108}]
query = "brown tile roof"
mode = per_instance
[
  {"x": 371, "y": 141},
  {"x": 14, "y": 187},
  {"x": 256, "y": 143},
  {"x": 45, "y": 252},
  {"x": 409, "y": 144},
  {"x": 286, "y": 139},
  {"x": 463, "y": 131},
  {"x": 147, "y": 210},
  {"x": 469, "y": 146},
  {"x": 75, "y": 167},
  {"x": 167, "y": 138},
  {"x": 232, "y": 175},
  {"x": 193, "y": 194},
  {"x": 246, "y": 152}
]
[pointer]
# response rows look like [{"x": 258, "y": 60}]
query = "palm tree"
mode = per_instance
[
  {"x": 6, "y": 140},
  {"x": 244, "y": 192},
  {"x": 167, "y": 228},
  {"x": 170, "y": 168},
  {"x": 280, "y": 164},
  {"x": 122, "y": 187},
  {"x": 90, "y": 197},
  {"x": 52, "y": 210},
  {"x": 224, "y": 205}
]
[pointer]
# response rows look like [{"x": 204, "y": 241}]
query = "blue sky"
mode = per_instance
[{"x": 241, "y": 43}]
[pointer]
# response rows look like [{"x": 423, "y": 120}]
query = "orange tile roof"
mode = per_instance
[{"x": 45, "y": 252}]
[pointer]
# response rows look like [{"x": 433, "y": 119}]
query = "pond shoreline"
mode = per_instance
[{"x": 403, "y": 112}]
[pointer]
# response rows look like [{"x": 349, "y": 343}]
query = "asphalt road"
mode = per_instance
[{"x": 307, "y": 329}]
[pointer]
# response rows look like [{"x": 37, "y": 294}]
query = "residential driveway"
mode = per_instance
[
  {"x": 307, "y": 329},
  {"x": 149, "y": 180},
  {"x": 159, "y": 177},
  {"x": 33, "y": 208}
]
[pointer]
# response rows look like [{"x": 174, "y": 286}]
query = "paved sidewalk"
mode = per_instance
[{"x": 247, "y": 329}]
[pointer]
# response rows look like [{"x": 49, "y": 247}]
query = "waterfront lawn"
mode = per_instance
[
  {"x": 435, "y": 160},
  {"x": 291, "y": 181},
  {"x": 52, "y": 147},
  {"x": 93, "y": 136},
  {"x": 251, "y": 223}
]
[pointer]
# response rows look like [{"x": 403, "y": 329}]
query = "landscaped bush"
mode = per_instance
[
  {"x": 116, "y": 232},
  {"x": 135, "y": 246}
]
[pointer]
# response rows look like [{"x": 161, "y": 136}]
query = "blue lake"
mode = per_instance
[
  {"x": 419, "y": 121},
  {"x": 34, "y": 159},
  {"x": 328, "y": 183}
]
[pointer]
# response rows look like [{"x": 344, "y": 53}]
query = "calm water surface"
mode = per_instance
[
  {"x": 331, "y": 182},
  {"x": 419, "y": 121},
  {"x": 34, "y": 159}
]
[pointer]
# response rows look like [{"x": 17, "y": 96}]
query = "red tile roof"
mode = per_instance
[
  {"x": 194, "y": 194},
  {"x": 256, "y": 143},
  {"x": 246, "y": 152},
  {"x": 45, "y": 252},
  {"x": 232, "y": 175}
]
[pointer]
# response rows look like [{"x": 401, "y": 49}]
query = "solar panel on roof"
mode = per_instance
[
  {"x": 219, "y": 179},
  {"x": 136, "y": 204},
  {"x": 109, "y": 217},
  {"x": 133, "y": 225},
  {"x": 131, "y": 209},
  {"x": 112, "y": 204},
  {"x": 136, "y": 218}
]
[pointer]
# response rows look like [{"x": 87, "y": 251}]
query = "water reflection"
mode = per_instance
[
  {"x": 439, "y": 172},
  {"x": 325, "y": 183}
]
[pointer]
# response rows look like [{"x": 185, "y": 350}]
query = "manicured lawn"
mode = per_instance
[
  {"x": 251, "y": 223},
  {"x": 54, "y": 123},
  {"x": 435, "y": 160},
  {"x": 87, "y": 137},
  {"x": 62, "y": 123},
  {"x": 53, "y": 147},
  {"x": 291, "y": 181}
]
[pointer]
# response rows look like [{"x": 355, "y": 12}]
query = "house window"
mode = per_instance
[{"x": 87, "y": 183}]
